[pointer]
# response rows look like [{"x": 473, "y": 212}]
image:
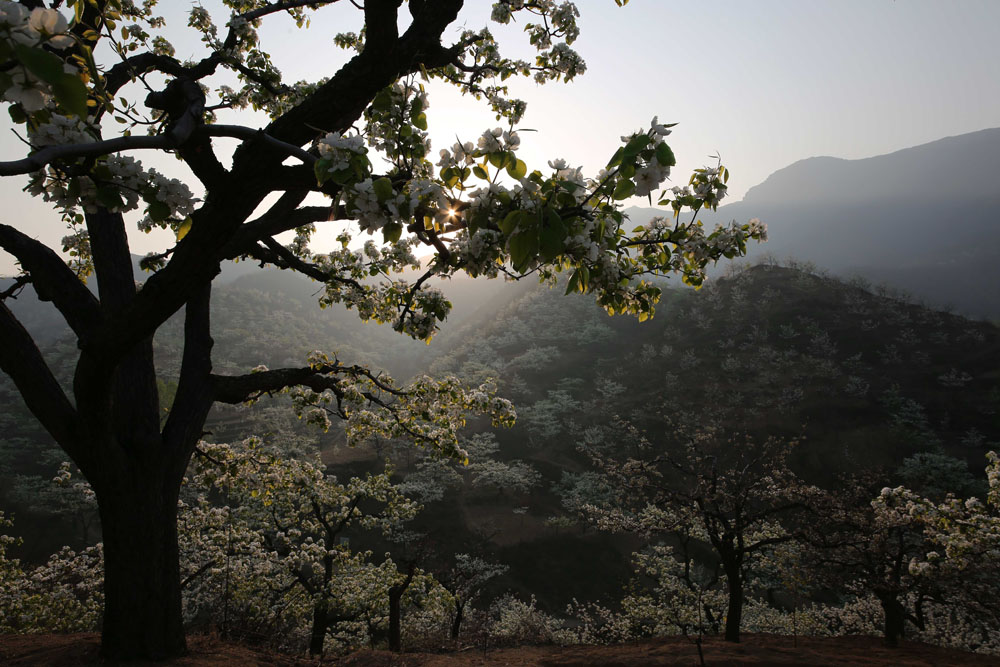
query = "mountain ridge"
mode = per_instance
[{"x": 922, "y": 219}]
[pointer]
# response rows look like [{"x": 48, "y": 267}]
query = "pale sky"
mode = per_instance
[{"x": 763, "y": 83}]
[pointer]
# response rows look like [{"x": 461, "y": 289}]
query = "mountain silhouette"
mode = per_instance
[{"x": 924, "y": 219}]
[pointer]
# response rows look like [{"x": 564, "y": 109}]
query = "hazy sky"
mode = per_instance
[{"x": 763, "y": 83}]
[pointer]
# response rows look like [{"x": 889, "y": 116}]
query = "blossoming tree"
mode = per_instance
[
  {"x": 729, "y": 493},
  {"x": 962, "y": 554},
  {"x": 68, "y": 77}
]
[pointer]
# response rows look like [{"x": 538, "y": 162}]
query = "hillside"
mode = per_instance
[
  {"x": 863, "y": 379},
  {"x": 923, "y": 219}
]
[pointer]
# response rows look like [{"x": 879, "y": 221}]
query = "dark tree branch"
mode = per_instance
[
  {"x": 335, "y": 105},
  {"x": 143, "y": 63},
  {"x": 274, "y": 221},
  {"x": 184, "y": 103},
  {"x": 197, "y": 573},
  {"x": 284, "y": 258},
  {"x": 135, "y": 417},
  {"x": 341, "y": 100},
  {"x": 241, "y": 388},
  {"x": 271, "y": 224},
  {"x": 381, "y": 31},
  {"x": 194, "y": 392},
  {"x": 171, "y": 141},
  {"x": 112, "y": 261},
  {"x": 407, "y": 306},
  {"x": 15, "y": 289},
  {"x": 21, "y": 360},
  {"x": 53, "y": 280}
]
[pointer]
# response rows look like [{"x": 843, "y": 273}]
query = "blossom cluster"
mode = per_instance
[
  {"x": 427, "y": 412},
  {"x": 396, "y": 125},
  {"x": 35, "y": 29},
  {"x": 118, "y": 183},
  {"x": 340, "y": 149}
]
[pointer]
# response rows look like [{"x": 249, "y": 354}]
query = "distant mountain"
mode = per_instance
[{"x": 924, "y": 219}]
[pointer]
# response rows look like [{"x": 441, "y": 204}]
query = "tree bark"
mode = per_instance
[
  {"x": 734, "y": 613},
  {"x": 395, "y": 609},
  {"x": 895, "y": 620},
  {"x": 142, "y": 592},
  {"x": 456, "y": 625},
  {"x": 317, "y": 634},
  {"x": 395, "y": 622}
]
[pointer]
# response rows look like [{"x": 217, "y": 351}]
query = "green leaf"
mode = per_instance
[
  {"x": 480, "y": 173},
  {"x": 46, "y": 66},
  {"x": 552, "y": 240},
  {"x": 16, "y": 112},
  {"x": 321, "y": 168},
  {"x": 616, "y": 159},
  {"x": 382, "y": 101},
  {"x": 383, "y": 189},
  {"x": 635, "y": 145},
  {"x": 523, "y": 248},
  {"x": 566, "y": 200},
  {"x": 510, "y": 222},
  {"x": 449, "y": 176},
  {"x": 416, "y": 106},
  {"x": 184, "y": 228},
  {"x": 517, "y": 169},
  {"x": 665, "y": 156},
  {"x": 574, "y": 282},
  {"x": 498, "y": 160},
  {"x": 158, "y": 211},
  {"x": 109, "y": 198},
  {"x": 624, "y": 189},
  {"x": 392, "y": 232},
  {"x": 421, "y": 121}
]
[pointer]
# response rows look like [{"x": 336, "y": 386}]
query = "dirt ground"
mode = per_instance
[{"x": 82, "y": 649}]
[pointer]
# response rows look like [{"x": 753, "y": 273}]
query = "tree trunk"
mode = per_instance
[
  {"x": 895, "y": 620},
  {"x": 142, "y": 592},
  {"x": 395, "y": 624},
  {"x": 317, "y": 634},
  {"x": 456, "y": 625},
  {"x": 734, "y": 613}
]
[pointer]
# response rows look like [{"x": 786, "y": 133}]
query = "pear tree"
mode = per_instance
[{"x": 96, "y": 86}]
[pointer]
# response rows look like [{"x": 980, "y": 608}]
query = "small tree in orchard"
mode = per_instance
[
  {"x": 960, "y": 554},
  {"x": 727, "y": 493},
  {"x": 866, "y": 547},
  {"x": 465, "y": 581},
  {"x": 97, "y": 87},
  {"x": 293, "y": 525}
]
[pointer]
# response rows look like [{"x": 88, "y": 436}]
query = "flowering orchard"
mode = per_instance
[
  {"x": 95, "y": 85},
  {"x": 265, "y": 562}
]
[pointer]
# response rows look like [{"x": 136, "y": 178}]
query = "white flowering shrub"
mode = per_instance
[
  {"x": 62, "y": 595},
  {"x": 961, "y": 553},
  {"x": 510, "y": 621}
]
